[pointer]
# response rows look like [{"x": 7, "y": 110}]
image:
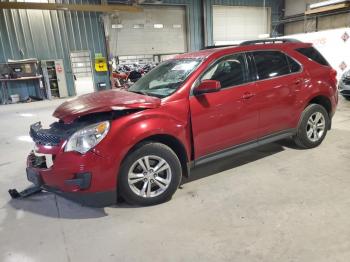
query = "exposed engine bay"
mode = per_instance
[{"x": 60, "y": 131}]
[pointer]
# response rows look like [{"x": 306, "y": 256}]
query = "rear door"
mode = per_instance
[
  {"x": 229, "y": 117},
  {"x": 279, "y": 79}
]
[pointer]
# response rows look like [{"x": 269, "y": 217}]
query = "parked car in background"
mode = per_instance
[
  {"x": 190, "y": 110},
  {"x": 344, "y": 85},
  {"x": 124, "y": 76}
]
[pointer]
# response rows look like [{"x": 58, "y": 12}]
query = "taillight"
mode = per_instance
[{"x": 333, "y": 77}]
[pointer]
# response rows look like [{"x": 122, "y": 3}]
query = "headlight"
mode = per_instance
[{"x": 88, "y": 137}]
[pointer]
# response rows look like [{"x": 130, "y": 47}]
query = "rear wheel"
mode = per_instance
[
  {"x": 149, "y": 175},
  {"x": 313, "y": 126}
]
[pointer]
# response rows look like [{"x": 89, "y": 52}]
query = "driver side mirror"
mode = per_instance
[{"x": 207, "y": 86}]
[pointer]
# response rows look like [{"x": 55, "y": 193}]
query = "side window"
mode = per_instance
[
  {"x": 270, "y": 64},
  {"x": 293, "y": 66},
  {"x": 230, "y": 71},
  {"x": 313, "y": 54}
]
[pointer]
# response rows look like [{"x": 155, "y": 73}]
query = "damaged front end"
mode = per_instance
[
  {"x": 86, "y": 177},
  {"x": 69, "y": 159}
]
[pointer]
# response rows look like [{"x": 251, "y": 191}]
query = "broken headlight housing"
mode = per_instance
[{"x": 87, "y": 138}]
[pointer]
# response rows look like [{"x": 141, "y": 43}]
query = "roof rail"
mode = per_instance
[
  {"x": 216, "y": 46},
  {"x": 270, "y": 41}
]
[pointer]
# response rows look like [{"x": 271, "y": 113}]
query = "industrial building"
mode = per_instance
[{"x": 59, "y": 61}]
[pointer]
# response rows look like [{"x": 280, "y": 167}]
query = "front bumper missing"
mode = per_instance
[
  {"x": 25, "y": 193},
  {"x": 79, "y": 183},
  {"x": 98, "y": 199},
  {"x": 88, "y": 179}
]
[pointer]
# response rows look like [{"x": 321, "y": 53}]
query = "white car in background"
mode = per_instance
[{"x": 344, "y": 85}]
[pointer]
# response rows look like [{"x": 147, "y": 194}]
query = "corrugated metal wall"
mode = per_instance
[
  {"x": 50, "y": 35},
  {"x": 53, "y": 34}
]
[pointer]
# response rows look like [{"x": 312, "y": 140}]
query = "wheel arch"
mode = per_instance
[
  {"x": 325, "y": 102},
  {"x": 170, "y": 141},
  {"x": 322, "y": 101}
]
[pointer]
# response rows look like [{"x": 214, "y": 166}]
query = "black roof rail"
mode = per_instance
[
  {"x": 270, "y": 41},
  {"x": 216, "y": 46}
]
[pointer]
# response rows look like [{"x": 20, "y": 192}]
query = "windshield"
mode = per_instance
[{"x": 166, "y": 78}]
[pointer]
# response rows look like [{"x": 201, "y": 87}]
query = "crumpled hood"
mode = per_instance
[{"x": 103, "y": 101}]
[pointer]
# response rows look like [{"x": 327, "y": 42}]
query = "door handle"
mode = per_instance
[
  {"x": 247, "y": 95},
  {"x": 297, "y": 82}
]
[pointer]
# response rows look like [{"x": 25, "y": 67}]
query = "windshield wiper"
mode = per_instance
[
  {"x": 145, "y": 93},
  {"x": 167, "y": 86},
  {"x": 139, "y": 92},
  {"x": 156, "y": 95}
]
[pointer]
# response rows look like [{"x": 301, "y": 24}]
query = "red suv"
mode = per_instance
[{"x": 195, "y": 108}]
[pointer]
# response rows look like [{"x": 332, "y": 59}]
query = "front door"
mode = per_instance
[
  {"x": 229, "y": 117},
  {"x": 82, "y": 72}
]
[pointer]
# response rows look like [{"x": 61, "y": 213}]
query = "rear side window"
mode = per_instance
[
  {"x": 313, "y": 54},
  {"x": 293, "y": 66},
  {"x": 271, "y": 64}
]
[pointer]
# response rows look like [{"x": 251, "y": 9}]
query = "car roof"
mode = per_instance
[{"x": 220, "y": 51}]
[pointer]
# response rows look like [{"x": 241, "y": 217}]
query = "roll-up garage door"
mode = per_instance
[
  {"x": 231, "y": 23},
  {"x": 156, "y": 30}
]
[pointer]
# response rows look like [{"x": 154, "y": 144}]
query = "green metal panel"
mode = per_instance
[
  {"x": 53, "y": 34},
  {"x": 50, "y": 35}
]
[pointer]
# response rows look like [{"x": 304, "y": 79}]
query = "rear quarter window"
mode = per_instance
[
  {"x": 313, "y": 54},
  {"x": 293, "y": 66}
]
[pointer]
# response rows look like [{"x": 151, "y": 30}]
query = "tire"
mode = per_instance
[
  {"x": 140, "y": 168},
  {"x": 347, "y": 98},
  {"x": 306, "y": 136}
]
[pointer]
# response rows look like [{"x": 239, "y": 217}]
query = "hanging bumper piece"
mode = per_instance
[{"x": 25, "y": 193}]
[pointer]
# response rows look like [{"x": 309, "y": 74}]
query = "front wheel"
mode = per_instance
[
  {"x": 347, "y": 97},
  {"x": 313, "y": 126},
  {"x": 149, "y": 175}
]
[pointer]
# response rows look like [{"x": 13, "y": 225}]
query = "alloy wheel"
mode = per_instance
[
  {"x": 149, "y": 176},
  {"x": 315, "y": 128}
]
